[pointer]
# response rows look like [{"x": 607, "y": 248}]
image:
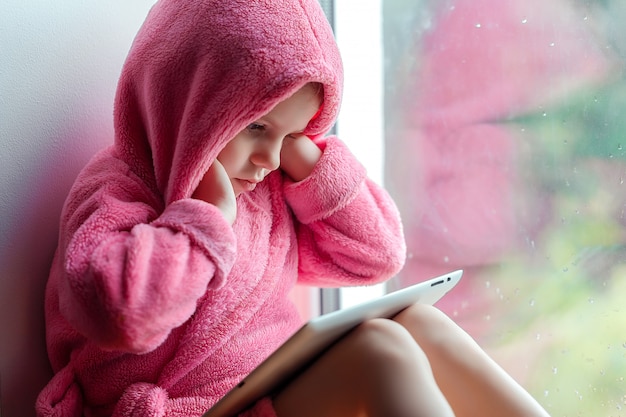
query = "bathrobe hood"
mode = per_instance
[{"x": 200, "y": 71}]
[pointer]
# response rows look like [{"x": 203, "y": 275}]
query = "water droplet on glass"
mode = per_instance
[
  {"x": 524, "y": 21},
  {"x": 544, "y": 114},
  {"x": 546, "y": 393},
  {"x": 565, "y": 269},
  {"x": 554, "y": 370},
  {"x": 591, "y": 300},
  {"x": 538, "y": 336},
  {"x": 478, "y": 25},
  {"x": 446, "y": 259},
  {"x": 552, "y": 44},
  {"x": 532, "y": 302}
]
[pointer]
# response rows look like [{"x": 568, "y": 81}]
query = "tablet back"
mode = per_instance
[{"x": 319, "y": 334}]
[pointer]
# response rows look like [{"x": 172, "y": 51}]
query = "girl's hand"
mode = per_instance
[
  {"x": 298, "y": 156},
  {"x": 215, "y": 188}
]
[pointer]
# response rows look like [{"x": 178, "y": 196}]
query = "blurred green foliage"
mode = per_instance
[{"x": 566, "y": 315}]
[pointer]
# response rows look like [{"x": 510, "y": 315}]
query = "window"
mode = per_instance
[{"x": 498, "y": 127}]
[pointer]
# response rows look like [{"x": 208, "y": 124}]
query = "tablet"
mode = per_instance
[{"x": 317, "y": 335}]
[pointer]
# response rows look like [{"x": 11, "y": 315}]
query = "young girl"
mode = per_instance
[{"x": 180, "y": 244}]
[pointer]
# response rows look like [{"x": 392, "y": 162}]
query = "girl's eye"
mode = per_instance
[{"x": 256, "y": 127}]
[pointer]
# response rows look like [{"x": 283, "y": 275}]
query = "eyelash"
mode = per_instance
[{"x": 258, "y": 128}]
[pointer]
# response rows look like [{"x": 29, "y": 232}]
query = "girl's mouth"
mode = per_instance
[{"x": 246, "y": 185}]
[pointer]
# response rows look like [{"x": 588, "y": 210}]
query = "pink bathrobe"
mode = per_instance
[{"x": 156, "y": 305}]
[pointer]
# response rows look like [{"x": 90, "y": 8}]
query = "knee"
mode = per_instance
[
  {"x": 388, "y": 342},
  {"x": 423, "y": 314},
  {"x": 383, "y": 331},
  {"x": 428, "y": 324}
]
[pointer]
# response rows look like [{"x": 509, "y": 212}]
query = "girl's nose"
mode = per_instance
[{"x": 267, "y": 155}]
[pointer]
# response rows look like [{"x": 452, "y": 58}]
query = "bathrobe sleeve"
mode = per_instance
[
  {"x": 348, "y": 228},
  {"x": 131, "y": 271}
]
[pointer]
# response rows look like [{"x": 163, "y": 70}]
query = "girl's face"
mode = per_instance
[{"x": 255, "y": 151}]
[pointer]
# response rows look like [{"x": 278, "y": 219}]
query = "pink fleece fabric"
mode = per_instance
[{"x": 155, "y": 304}]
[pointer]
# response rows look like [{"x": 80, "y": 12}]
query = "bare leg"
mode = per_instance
[
  {"x": 471, "y": 381},
  {"x": 377, "y": 371}
]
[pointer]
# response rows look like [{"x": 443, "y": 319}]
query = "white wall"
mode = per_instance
[{"x": 59, "y": 64}]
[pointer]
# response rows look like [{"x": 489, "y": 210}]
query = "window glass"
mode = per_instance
[
  {"x": 358, "y": 30},
  {"x": 505, "y": 141}
]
